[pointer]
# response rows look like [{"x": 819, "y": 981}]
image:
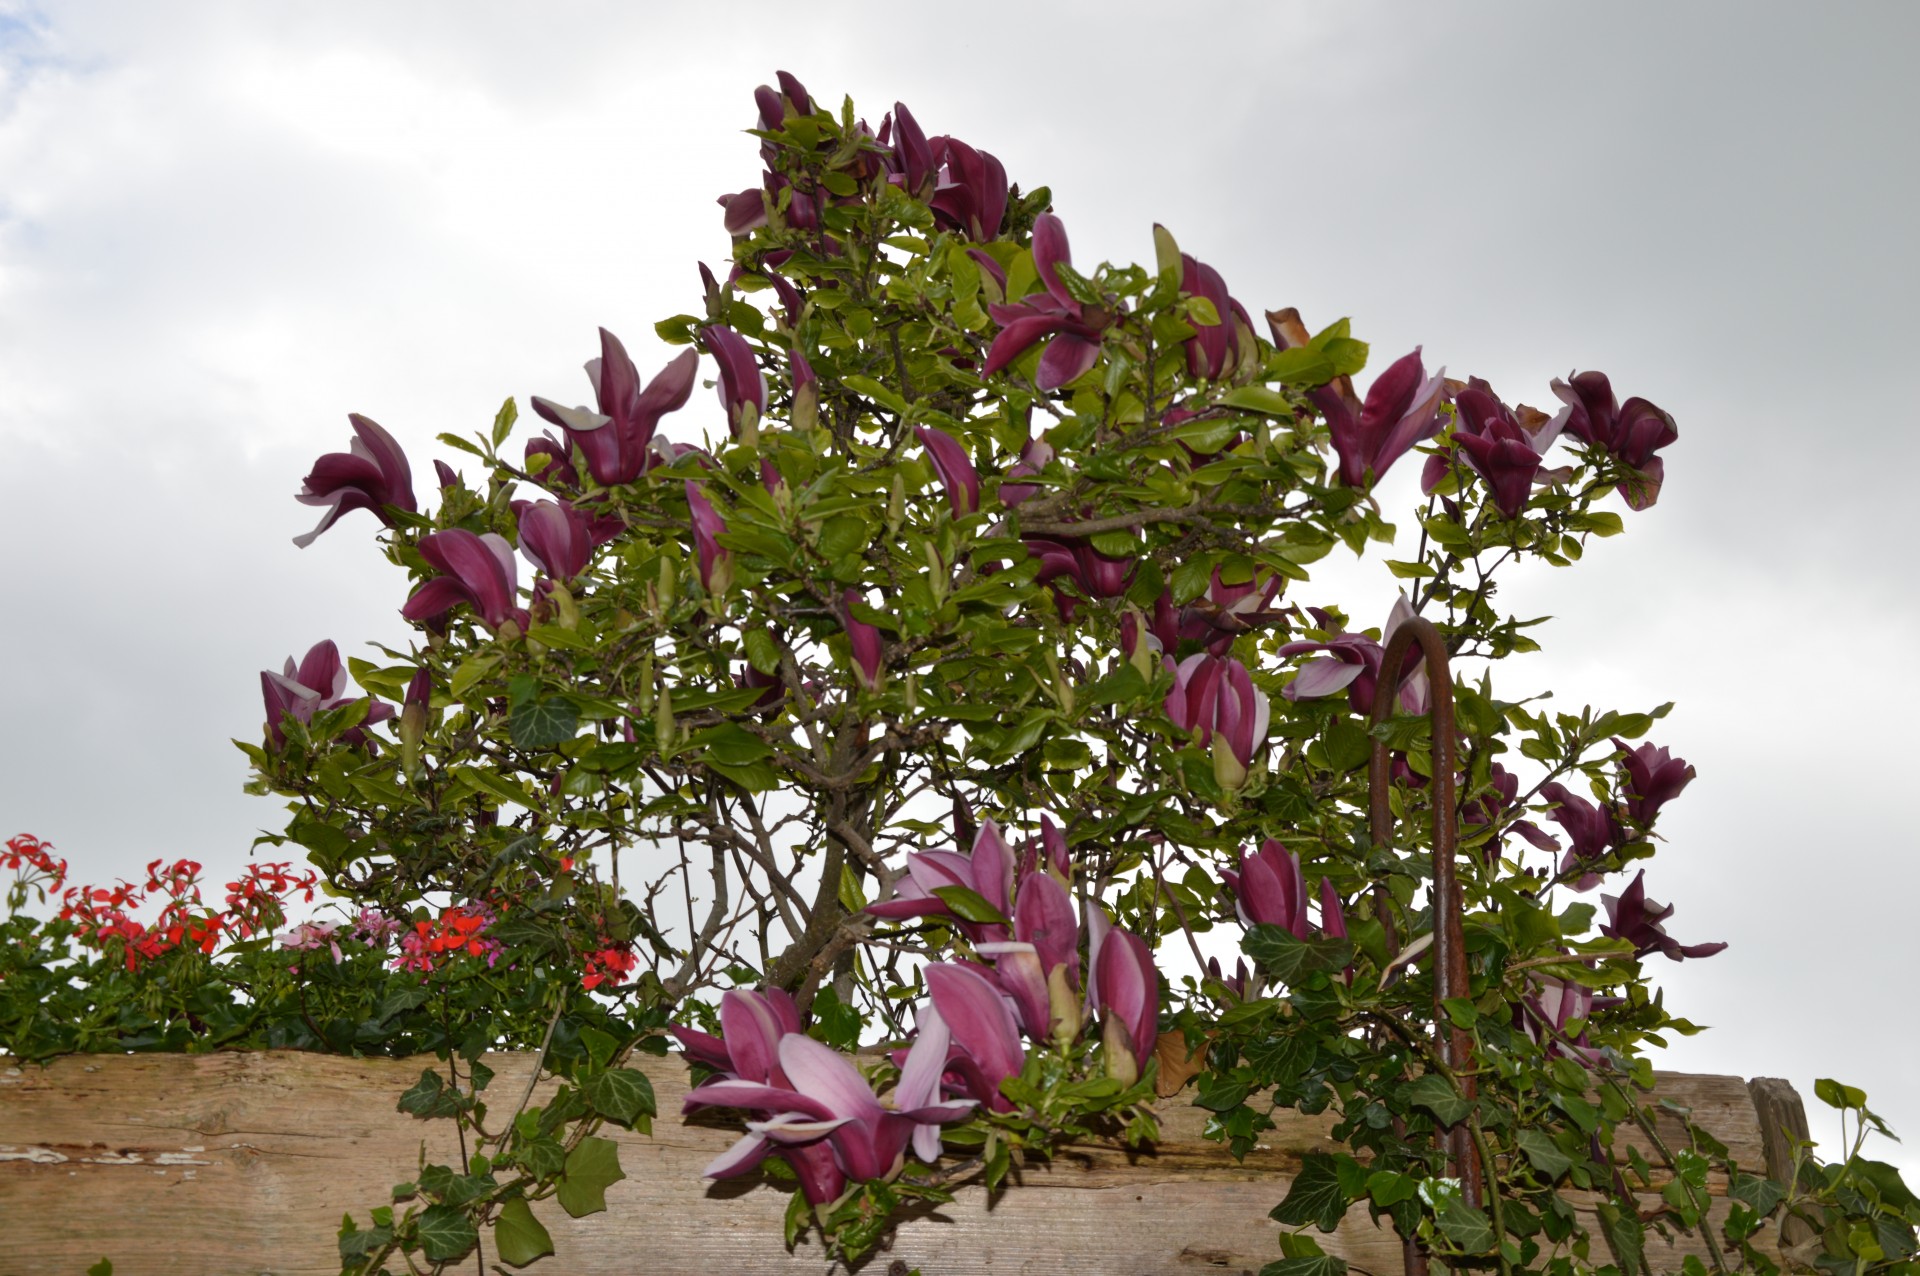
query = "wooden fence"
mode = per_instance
[{"x": 242, "y": 1164}]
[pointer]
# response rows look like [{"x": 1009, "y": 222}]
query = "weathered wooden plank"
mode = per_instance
[{"x": 244, "y": 1163}]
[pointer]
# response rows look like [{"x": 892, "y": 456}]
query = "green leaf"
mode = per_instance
[
  {"x": 518, "y": 1235},
  {"x": 969, "y": 905},
  {"x": 1219, "y": 1092},
  {"x": 731, "y": 745},
  {"x": 1465, "y": 1226},
  {"x": 762, "y": 652},
  {"x": 624, "y": 1095},
  {"x": 543, "y": 1158},
  {"x": 1755, "y": 1192},
  {"x": 1835, "y": 1095},
  {"x": 1191, "y": 578},
  {"x": 503, "y": 422},
  {"x": 430, "y": 1097},
  {"x": 1258, "y": 398},
  {"x": 1317, "y": 1195},
  {"x": 600, "y": 1045},
  {"x": 1625, "y": 1236},
  {"x": 879, "y": 393},
  {"x": 543, "y": 723},
  {"x": 592, "y": 1168},
  {"x": 1288, "y": 959},
  {"x": 1302, "y": 366},
  {"x": 102, "y": 1268},
  {"x": 1387, "y": 1189},
  {"x": 446, "y": 1232},
  {"x": 1544, "y": 1153},
  {"x": 1308, "y": 1265},
  {"x": 1347, "y": 743},
  {"x": 1436, "y": 1094}
]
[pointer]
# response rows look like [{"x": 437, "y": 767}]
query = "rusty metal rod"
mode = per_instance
[{"x": 1449, "y": 937}]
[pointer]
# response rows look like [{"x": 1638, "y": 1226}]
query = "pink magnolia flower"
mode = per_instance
[
  {"x": 476, "y": 570},
  {"x": 372, "y": 474},
  {"x": 316, "y": 684},
  {"x": 1072, "y": 330},
  {"x": 617, "y": 439}
]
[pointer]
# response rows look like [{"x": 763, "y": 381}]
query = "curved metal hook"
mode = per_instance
[{"x": 1449, "y": 937}]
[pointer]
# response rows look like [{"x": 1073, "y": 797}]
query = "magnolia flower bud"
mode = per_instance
[
  {"x": 1118, "y": 1052},
  {"x": 1063, "y": 1005}
]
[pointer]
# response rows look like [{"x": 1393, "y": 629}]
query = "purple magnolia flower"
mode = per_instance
[
  {"x": 1228, "y": 611},
  {"x": 477, "y": 570},
  {"x": 716, "y": 563},
  {"x": 1075, "y": 329},
  {"x": 819, "y": 1100},
  {"x": 317, "y": 683},
  {"x": 742, "y": 386},
  {"x": 1046, "y": 853},
  {"x": 1591, "y": 831},
  {"x": 984, "y": 1041},
  {"x": 864, "y": 639},
  {"x": 987, "y": 871},
  {"x": 1333, "y": 918},
  {"x": 1353, "y": 663},
  {"x": 1212, "y": 351},
  {"x": 1547, "y": 1009},
  {"x": 912, "y": 157},
  {"x": 446, "y": 475},
  {"x": 1634, "y": 917},
  {"x": 1035, "y": 455},
  {"x": 557, "y": 538},
  {"x": 1040, "y": 967},
  {"x": 956, "y": 472},
  {"x": 970, "y": 194},
  {"x": 1498, "y": 445},
  {"x": 372, "y": 474},
  {"x": 616, "y": 440},
  {"x": 1269, "y": 889},
  {"x": 1631, "y": 432},
  {"x": 1654, "y": 778},
  {"x": 556, "y": 474},
  {"x": 752, "y": 1024},
  {"x": 1402, "y": 408},
  {"x": 1129, "y": 989},
  {"x": 1214, "y": 699},
  {"x": 1238, "y": 983},
  {"x": 1095, "y": 574},
  {"x": 1492, "y": 805}
]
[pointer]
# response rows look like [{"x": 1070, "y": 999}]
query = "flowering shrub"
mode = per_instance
[{"x": 949, "y": 696}]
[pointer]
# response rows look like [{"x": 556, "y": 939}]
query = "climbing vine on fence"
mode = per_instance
[{"x": 936, "y": 736}]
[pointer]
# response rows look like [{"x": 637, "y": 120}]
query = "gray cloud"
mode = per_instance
[{"x": 223, "y": 226}]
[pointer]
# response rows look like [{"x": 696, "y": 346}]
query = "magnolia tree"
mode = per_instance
[{"x": 891, "y": 752}]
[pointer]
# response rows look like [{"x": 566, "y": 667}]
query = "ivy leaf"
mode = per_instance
[
  {"x": 519, "y": 1236},
  {"x": 1218, "y": 1092},
  {"x": 592, "y": 1168},
  {"x": 622, "y": 1094},
  {"x": 1287, "y": 958},
  {"x": 429, "y": 1097},
  {"x": 1465, "y": 1226},
  {"x": 446, "y": 1233},
  {"x": 1625, "y": 1235},
  {"x": 1545, "y": 1155},
  {"x": 1307, "y": 1265},
  {"x": 1756, "y": 1193},
  {"x": 543, "y": 1158},
  {"x": 1436, "y": 1094},
  {"x": 542, "y": 723},
  {"x": 1317, "y": 1195}
]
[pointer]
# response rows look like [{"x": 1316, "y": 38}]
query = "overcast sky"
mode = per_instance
[{"x": 223, "y": 227}]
